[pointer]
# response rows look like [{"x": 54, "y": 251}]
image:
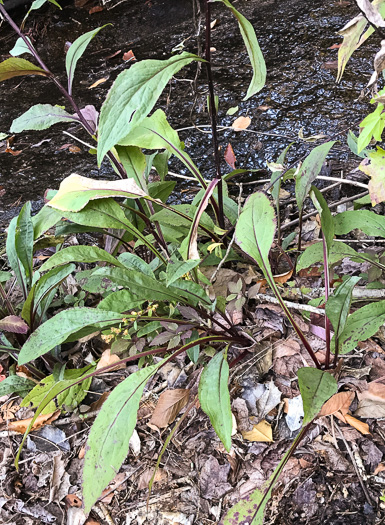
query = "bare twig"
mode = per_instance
[
  {"x": 365, "y": 490},
  {"x": 333, "y": 205}
]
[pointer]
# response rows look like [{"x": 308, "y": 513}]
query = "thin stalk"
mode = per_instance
[
  {"x": 6, "y": 300},
  {"x": 305, "y": 342},
  {"x": 279, "y": 469},
  {"x": 279, "y": 234},
  {"x": 213, "y": 113},
  {"x": 327, "y": 285},
  {"x": 299, "y": 232}
]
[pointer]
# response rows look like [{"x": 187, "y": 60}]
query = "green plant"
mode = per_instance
[{"x": 158, "y": 251}]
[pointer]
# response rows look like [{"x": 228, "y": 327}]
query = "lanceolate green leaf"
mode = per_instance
[
  {"x": 327, "y": 224},
  {"x": 106, "y": 213},
  {"x": 316, "y": 387},
  {"x": 140, "y": 284},
  {"x": 367, "y": 221},
  {"x": 253, "y": 50},
  {"x": 134, "y": 162},
  {"x": 121, "y": 301},
  {"x": 76, "y": 51},
  {"x": 255, "y": 230},
  {"x": 309, "y": 171},
  {"x": 56, "y": 330},
  {"x": 133, "y": 95},
  {"x": 41, "y": 116},
  {"x": 45, "y": 219},
  {"x": 214, "y": 397},
  {"x": 82, "y": 254},
  {"x": 191, "y": 292},
  {"x": 20, "y": 48},
  {"x": 110, "y": 435},
  {"x": 362, "y": 324},
  {"x": 70, "y": 398},
  {"x": 13, "y": 259},
  {"x": 176, "y": 269},
  {"x": 372, "y": 126},
  {"x": 15, "y": 385},
  {"x": 15, "y": 67},
  {"x": 254, "y": 233},
  {"x": 134, "y": 262},
  {"x": 43, "y": 288},
  {"x": 143, "y": 135},
  {"x": 24, "y": 240},
  {"x": 314, "y": 254},
  {"x": 56, "y": 389},
  {"x": 338, "y": 306}
]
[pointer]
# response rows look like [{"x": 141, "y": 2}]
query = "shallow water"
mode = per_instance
[{"x": 295, "y": 37}]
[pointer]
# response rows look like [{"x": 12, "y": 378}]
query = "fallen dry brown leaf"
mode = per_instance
[
  {"x": 261, "y": 432},
  {"x": 22, "y": 425},
  {"x": 230, "y": 157},
  {"x": 129, "y": 56},
  {"x": 339, "y": 402},
  {"x": 169, "y": 404},
  {"x": 144, "y": 479},
  {"x": 241, "y": 123},
  {"x": 109, "y": 359},
  {"x": 72, "y": 500},
  {"x": 371, "y": 402},
  {"x": 357, "y": 424}
]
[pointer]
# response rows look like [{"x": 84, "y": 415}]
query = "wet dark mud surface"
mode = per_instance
[{"x": 300, "y": 92}]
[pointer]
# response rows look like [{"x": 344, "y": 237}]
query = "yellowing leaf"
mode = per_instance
[
  {"x": 241, "y": 123},
  {"x": 15, "y": 67},
  {"x": 212, "y": 247},
  {"x": 261, "y": 432},
  {"x": 76, "y": 191},
  {"x": 374, "y": 166}
]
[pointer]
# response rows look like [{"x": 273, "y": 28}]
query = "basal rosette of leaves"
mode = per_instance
[{"x": 144, "y": 293}]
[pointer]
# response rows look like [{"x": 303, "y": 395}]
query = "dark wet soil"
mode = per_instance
[{"x": 300, "y": 92}]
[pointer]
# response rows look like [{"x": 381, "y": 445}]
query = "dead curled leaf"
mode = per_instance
[
  {"x": 262, "y": 432},
  {"x": 170, "y": 403},
  {"x": 22, "y": 425}
]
